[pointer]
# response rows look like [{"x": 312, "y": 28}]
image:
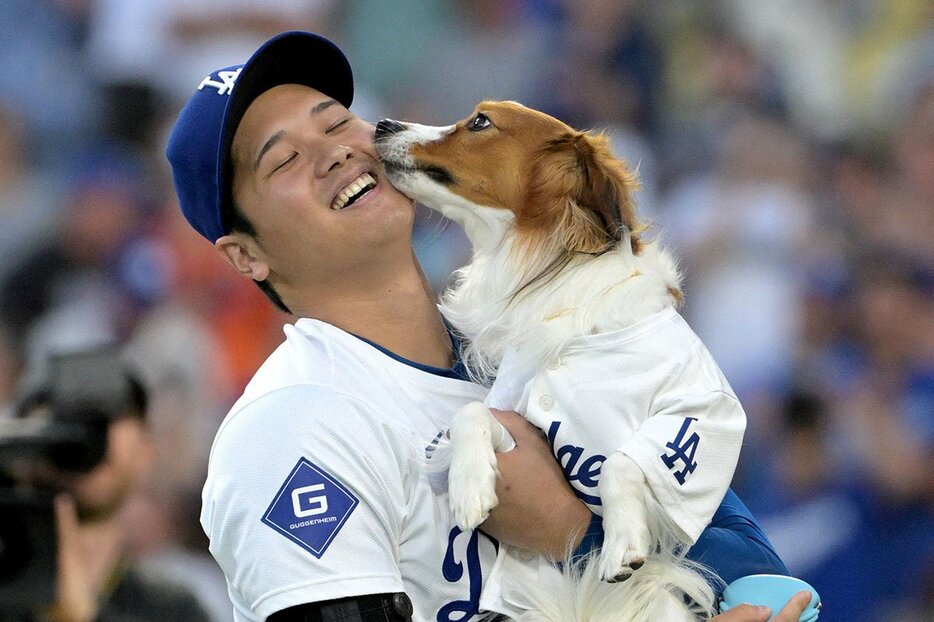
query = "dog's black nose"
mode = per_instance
[{"x": 388, "y": 127}]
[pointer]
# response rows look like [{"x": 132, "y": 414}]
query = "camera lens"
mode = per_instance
[
  {"x": 84, "y": 448},
  {"x": 15, "y": 547}
]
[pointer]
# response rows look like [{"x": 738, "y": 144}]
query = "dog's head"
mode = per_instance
[{"x": 510, "y": 168}]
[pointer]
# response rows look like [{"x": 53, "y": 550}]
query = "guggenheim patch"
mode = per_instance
[{"x": 310, "y": 508}]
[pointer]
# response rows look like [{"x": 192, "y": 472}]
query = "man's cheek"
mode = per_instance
[{"x": 363, "y": 138}]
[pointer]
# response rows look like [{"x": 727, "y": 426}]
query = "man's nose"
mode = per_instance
[
  {"x": 388, "y": 127},
  {"x": 337, "y": 157}
]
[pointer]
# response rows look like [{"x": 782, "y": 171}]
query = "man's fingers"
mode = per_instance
[
  {"x": 791, "y": 612},
  {"x": 66, "y": 519},
  {"x": 512, "y": 421},
  {"x": 518, "y": 426},
  {"x": 75, "y": 598},
  {"x": 744, "y": 613},
  {"x": 795, "y": 607}
]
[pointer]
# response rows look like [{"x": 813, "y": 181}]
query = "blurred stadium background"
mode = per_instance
[{"x": 786, "y": 152}]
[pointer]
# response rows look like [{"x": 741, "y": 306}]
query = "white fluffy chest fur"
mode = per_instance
[{"x": 490, "y": 306}]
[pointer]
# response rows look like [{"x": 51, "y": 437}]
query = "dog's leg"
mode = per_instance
[
  {"x": 475, "y": 437},
  {"x": 625, "y": 521}
]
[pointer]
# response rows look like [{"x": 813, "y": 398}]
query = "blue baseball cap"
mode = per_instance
[{"x": 199, "y": 146}]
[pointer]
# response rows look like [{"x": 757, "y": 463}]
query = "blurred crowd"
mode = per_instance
[{"x": 786, "y": 154}]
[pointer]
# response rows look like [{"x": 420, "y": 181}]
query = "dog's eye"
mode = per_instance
[{"x": 479, "y": 122}]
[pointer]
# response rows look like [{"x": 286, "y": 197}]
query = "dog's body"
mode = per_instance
[{"x": 574, "y": 314}]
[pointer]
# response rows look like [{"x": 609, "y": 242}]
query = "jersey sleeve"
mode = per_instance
[
  {"x": 304, "y": 501},
  {"x": 688, "y": 450}
]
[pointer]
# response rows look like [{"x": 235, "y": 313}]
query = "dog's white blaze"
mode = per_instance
[
  {"x": 395, "y": 148},
  {"x": 428, "y": 133}
]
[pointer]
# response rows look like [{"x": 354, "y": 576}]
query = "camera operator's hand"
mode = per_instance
[{"x": 76, "y": 592}]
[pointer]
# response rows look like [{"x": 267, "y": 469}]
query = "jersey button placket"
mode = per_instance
[{"x": 546, "y": 402}]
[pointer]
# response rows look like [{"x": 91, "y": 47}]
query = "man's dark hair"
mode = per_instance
[{"x": 239, "y": 223}]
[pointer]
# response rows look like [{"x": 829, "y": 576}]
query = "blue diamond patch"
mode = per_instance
[{"x": 310, "y": 508}]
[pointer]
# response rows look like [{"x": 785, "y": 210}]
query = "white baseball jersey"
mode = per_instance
[
  {"x": 651, "y": 391},
  {"x": 317, "y": 487}
]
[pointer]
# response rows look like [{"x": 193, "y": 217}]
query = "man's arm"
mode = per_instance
[
  {"x": 537, "y": 508},
  {"x": 303, "y": 501}
]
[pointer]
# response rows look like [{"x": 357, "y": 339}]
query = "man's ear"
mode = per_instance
[{"x": 243, "y": 254}]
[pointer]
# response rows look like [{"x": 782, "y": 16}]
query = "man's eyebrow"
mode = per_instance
[
  {"x": 322, "y": 106},
  {"x": 269, "y": 144}
]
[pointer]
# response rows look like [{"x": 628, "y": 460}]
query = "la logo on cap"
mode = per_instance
[{"x": 225, "y": 86}]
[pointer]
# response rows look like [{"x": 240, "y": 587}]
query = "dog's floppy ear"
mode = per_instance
[
  {"x": 590, "y": 188},
  {"x": 604, "y": 189}
]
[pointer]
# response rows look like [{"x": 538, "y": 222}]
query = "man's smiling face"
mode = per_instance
[{"x": 306, "y": 175}]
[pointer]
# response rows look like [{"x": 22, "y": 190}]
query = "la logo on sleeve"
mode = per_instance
[{"x": 310, "y": 508}]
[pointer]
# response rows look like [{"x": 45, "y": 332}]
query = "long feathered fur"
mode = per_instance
[
  {"x": 589, "y": 295},
  {"x": 668, "y": 588}
]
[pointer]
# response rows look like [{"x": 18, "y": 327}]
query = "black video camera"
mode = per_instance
[{"x": 61, "y": 425}]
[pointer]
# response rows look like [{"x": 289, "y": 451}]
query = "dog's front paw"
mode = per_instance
[
  {"x": 624, "y": 551},
  {"x": 472, "y": 488},
  {"x": 626, "y": 537}
]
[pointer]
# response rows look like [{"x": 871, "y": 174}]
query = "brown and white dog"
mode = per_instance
[{"x": 558, "y": 253}]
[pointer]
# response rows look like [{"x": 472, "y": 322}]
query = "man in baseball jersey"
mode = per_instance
[{"x": 320, "y": 503}]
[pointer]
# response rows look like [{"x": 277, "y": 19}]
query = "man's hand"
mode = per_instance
[
  {"x": 75, "y": 597},
  {"x": 749, "y": 613},
  {"x": 537, "y": 509}
]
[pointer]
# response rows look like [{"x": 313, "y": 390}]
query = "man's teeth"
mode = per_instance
[{"x": 353, "y": 191}]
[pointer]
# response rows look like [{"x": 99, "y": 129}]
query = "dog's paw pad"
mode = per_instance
[
  {"x": 622, "y": 556},
  {"x": 619, "y": 578},
  {"x": 617, "y": 573}
]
